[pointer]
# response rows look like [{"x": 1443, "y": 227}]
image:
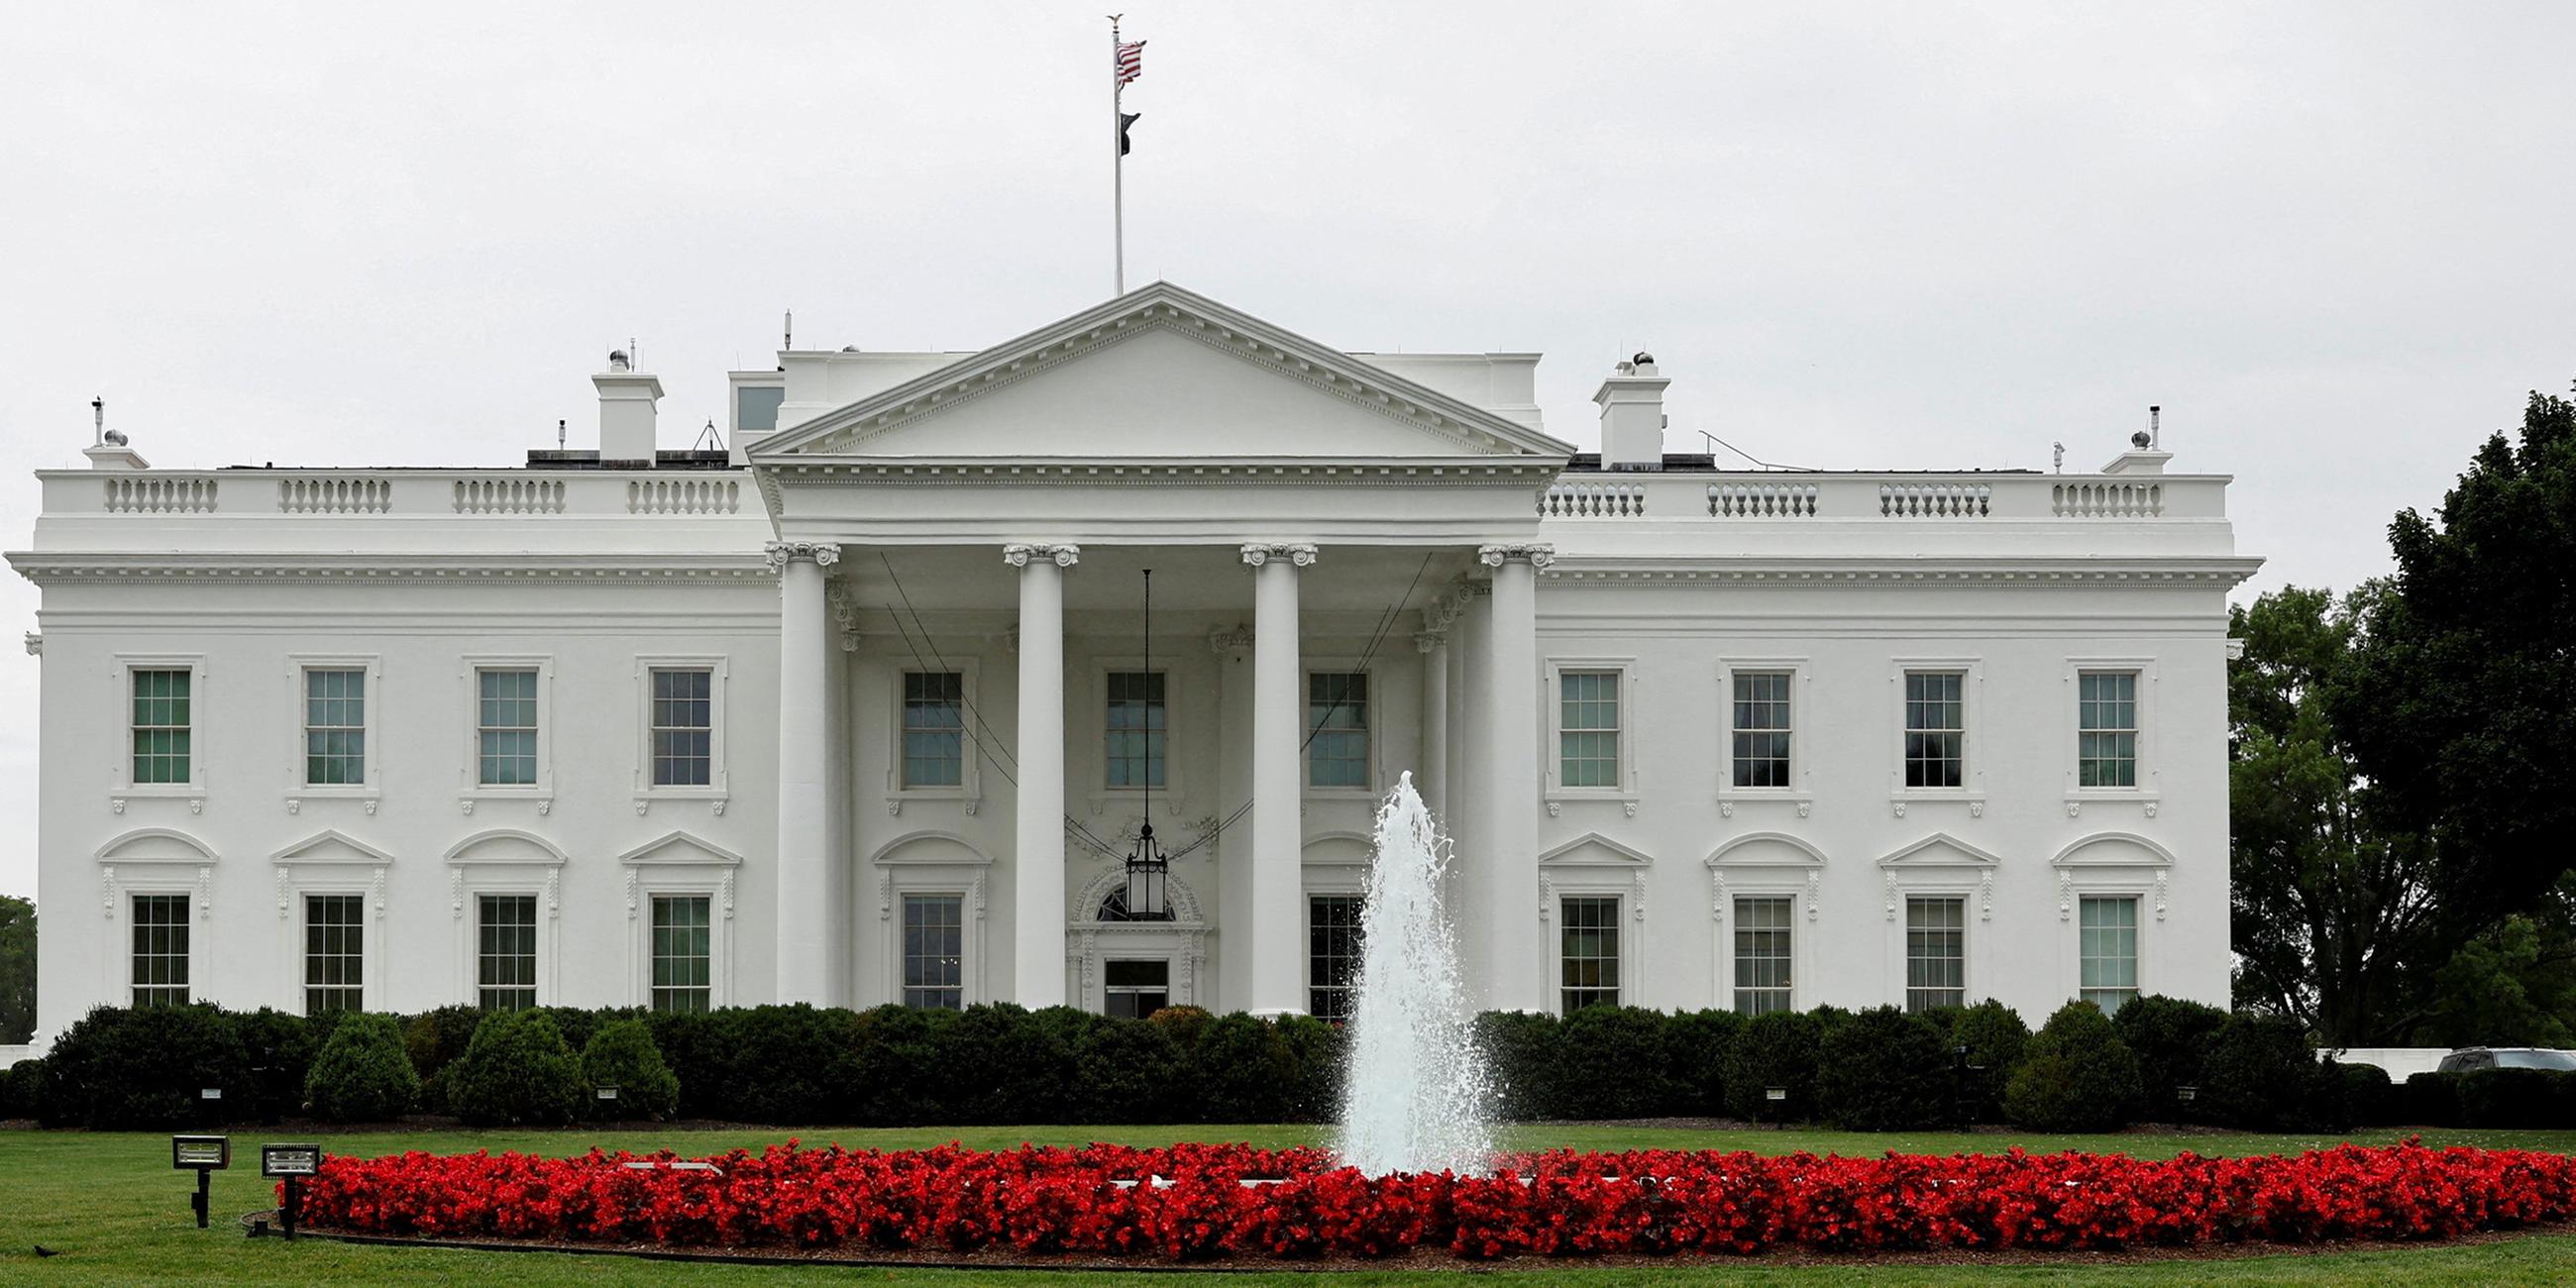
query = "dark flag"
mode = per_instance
[{"x": 1126, "y": 119}]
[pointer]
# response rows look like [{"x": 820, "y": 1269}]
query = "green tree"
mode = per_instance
[
  {"x": 17, "y": 969},
  {"x": 2330, "y": 909},
  {"x": 2513, "y": 985}
]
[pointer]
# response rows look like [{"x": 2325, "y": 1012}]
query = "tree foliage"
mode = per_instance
[{"x": 17, "y": 969}]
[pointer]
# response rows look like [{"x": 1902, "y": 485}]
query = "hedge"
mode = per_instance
[
  {"x": 621, "y": 1055},
  {"x": 1885, "y": 1070},
  {"x": 362, "y": 1074},
  {"x": 517, "y": 1071},
  {"x": 2077, "y": 1076},
  {"x": 2169, "y": 1036}
]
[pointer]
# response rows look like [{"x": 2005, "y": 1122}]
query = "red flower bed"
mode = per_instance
[{"x": 1189, "y": 1202}]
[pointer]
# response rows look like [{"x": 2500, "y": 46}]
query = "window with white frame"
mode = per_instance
[
  {"x": 505, "y": 951},
  {"x": 1134, "y": 729},
  {"x": 1762, "y": 954},
  {"x": 1588, "y": 729},
  {"x": 2106, "y": 724},
  {"x": 1588, "y": 951},
  {"x": 1936, "y": 957},
  {"x": 506, "y": 726},
  {"x": 1134, "y": 990},
  {"x": 683, "y": 952},
  {"x": 934, "y": 729},
  {"x": 2107, "y": 950},
  {"x": 163, "y": 728},
  {"x": 1332, "y": 954},
  {"x": 160, "y": 962},
  {"x": 1762, "y": 728},
  {"x": 335, "y": 727},
  {"x": 1936, "y": 728},
  {"x": 684, "y": 726},
  {"x": 334, "y": 953},
  {"x": 1337, "y": 729},
  {"x": 934, "y": 951}
]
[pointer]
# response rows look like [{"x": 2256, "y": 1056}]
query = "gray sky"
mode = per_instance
[{"x": 2332, "y": 240}]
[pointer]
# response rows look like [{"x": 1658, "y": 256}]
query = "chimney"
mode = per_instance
[
  {"x": 1632, "y": 416},
  {"x": 626, "y": 399}
]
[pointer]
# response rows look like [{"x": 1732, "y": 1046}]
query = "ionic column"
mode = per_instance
[
  {"x": 1277, "y": 932},
  {"x": 1519, "y": 953},
  {"x": 804, "y": 934},
  {"x": 1431, "y": 776},
  {"x": 1037, "y": 857}
]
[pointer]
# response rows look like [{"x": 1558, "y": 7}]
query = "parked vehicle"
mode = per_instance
[{"x": 2469, "y": 1059}]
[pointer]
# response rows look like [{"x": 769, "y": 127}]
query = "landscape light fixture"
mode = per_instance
[
  {"x": 292, "y": 1164},
  {"x": 203, "y": 1155}
]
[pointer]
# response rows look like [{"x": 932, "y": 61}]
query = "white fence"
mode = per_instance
[{"x": 2400, "y": 1062}]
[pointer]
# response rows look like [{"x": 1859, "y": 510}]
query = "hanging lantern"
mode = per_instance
[{"x": 1148, "y": 868}]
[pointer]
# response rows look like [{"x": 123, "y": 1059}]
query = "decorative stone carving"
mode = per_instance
[
  {"x": 885, "y": 895},
  {"x": 822, "y": 554},
  {"x": 1296, "y": 553},
  {"x": 724, "y": 893},
  {"x": 2151, "y": 809},
  {"x": 1555, "y": 809},
  {"x": 1637, "y": 886},
  {"x": 115, "y": 804},
  {"x": 1986, "y": 895},
  {"x": 545, "y": 807},
  {"x": 633, "y": 886},
  {"x": 371, "y": 807},
  {"x": 206, "y": 894},
  {"x": 376, "y": 892},
  {"x": 467, "y": 805},
  {"x": 196, "y": 804},
  {"x": 1717, "y": 894},
  {"x": 720, "y": 807},
  {"x": 1805, "y": 808},
  {"x": 284, "y": 898},
  {"x": 1899, "y": 806},
  {"x": 1976, "y": 809},
  {"x": 1427, "y": 641},
  {"x": 294, "y": 806},
  {"x": 1726, "y": 809},
  {"x": 975, "y": 896},
  {"x": 2074, "y": 809},
  {"x": 1230, "y": 641},
  {"x": 2163, "y": 882},
  {"x": 554, "y": 893},
  {"x": 107, "y": 891},
  {"x": 1815, "y": 891},
  {"x": 35, "y": 644},
  {"x": 642, "y": 807},
  {"x": 2065, "y": 896},
  {"x": 1019, "y": 553},
  {"x": 456, "y": 894},
  {"x": 1537, "y": 555},
  {"x": 1546, "y": 898}
]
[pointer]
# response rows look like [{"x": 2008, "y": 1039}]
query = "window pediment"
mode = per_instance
[
  {"x": 1592, "y": 849},
  {"x": 2113, "y": 850},
  {"x": 1767, "y": 850},
  {"x": 505, "y": 845},
  {"x": 930, "y": 848},
  {"x": 681, "y": 848},
  {"x": 156, "y": 845},
  {"x": 332, "y": 846},
  {"x": 1940, "y": 850}
]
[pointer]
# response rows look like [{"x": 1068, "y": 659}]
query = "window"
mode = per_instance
[
  {"x": 1761, "y": 954},
  {"x": 755, "y": 408},
  {"x": 335, "y": 728},
  {"x": 2106, "y": 723},
  {"x": 934, "y": 729},
  {"x": 161, "y": 726},
  {"x": 1589, "y": 957},
  {"x": 334, "y": 953},
  {"x": 506, "y": 727},
  {"x": 1762, "y": 728},
  {"x": 1332, "y": 954},
  {"x": 2107, "y": 945},
  {"x": 1135, "y": 729},
  {"x": 505, "y": 952},
  {"x": 683, "y": 726},
  {"x": 161, "y": 949},
  {"x": 1588, "y": 729},
  {"x": 1337, "y": 729},
  {"x": 934, "y": 951},
  {"x": 1133, "y": 990},
  {"x": 1936, "y": 934},
  {"x": 1936, "y": 729},
  {"x": 682, "y": 967}
]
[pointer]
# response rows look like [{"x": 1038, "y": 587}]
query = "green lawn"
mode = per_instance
[{"x": 112, "y": 1208}]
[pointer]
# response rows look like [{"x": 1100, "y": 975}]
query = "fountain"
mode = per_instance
[{"x": 1416, "y": 1090}]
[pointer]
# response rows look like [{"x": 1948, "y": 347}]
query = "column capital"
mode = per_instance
[
  {"x": 1230, "y": 641},
  {"x": 1444, "y": 608},
  {"x": 1296, "y": 553},
  {"x": 821, "y": 554},
  {"x": 1537, "y": 555},
  {"x": 1430, "y": 641},
  {"x": 1019, "y": 553}
]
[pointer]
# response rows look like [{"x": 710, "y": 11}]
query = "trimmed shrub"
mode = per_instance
[
  {"x": 2531, "y": 1099},
  {"x": 786, "y": 1064},
  {"x": 621, "y": 1054},
  {"x": 995, "y": 1064},
  {"x": 516, "y": 1070},
  {"x": 435, "y": 1040},
  {"x": 1774, "y": 1050},
  {"x": 281, "y": 1048},
  {"x": 2075, "y": 1076},
  {"x": 1520, "y": 1052},
  {"x": 1129, "y": 1070},
  {"x": 362, "y": 1074},
  {"x": 1695, "y": 1045},
  {"x": 1995, "y": 1038},
  {"x": 1615, "y": 1054},
  {"x": 1884, "y": 1070},
  {"x": 13, "y": 1089},
  {"x": 2432, "y": 1100},
  {"x": 142, "y": 1069},
  {"x": 1314, "y": 1092},
  {"x": 895, "y": 1067},
  {"x": 2370, "y": 1098},
  {"x": 2169, "y": 1036},
  {"x": 1239, "y": 1069},
  {"x": 2259, "y": 1074}
]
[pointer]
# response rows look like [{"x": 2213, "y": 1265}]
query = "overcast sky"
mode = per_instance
[{"x": 2332, "y": 240}]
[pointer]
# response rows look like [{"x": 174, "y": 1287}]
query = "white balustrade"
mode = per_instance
[
  {"x": 161, "y": 494},
  {"x": 1762, "y": 500}
]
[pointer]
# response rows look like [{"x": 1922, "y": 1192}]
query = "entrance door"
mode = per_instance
[{"x": 1135, "y": 989}]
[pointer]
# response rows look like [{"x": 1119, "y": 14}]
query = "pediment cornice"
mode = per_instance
[
  {"x": 1469, "y": 430},
  {"x": 1688, "y": 573}
]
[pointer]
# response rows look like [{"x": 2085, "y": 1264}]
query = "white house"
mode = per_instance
[{"x": 861, "y": 711}]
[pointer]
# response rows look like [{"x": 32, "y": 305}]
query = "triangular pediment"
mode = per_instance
[
  {"x": 1161, "y": 373},
  {"x": 681, "y": 848},
  {"x": 1592, "y": 849},
  {"x": 1940, "y": 850},
  {"x": 331, "y": 846}
]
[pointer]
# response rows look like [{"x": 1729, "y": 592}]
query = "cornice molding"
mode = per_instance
[
  {"x": 1513, "y": 472},
  {"x": 54, "y": 570},
  {"x": 2218, "y": 573}
]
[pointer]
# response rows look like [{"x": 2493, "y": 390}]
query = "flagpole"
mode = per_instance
[{"x": 1117, "y": 160}]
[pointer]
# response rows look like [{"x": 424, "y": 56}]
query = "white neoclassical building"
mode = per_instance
[{"x": 863, "y": 709}]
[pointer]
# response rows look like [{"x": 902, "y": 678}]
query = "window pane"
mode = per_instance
[
  {"x": 334, "y": 957},
  {"x": 683, "y": 727},
  {"x": 1588, "y": 729},
  {"x": 1135, "y": 729},
  {"x": 1935, "y": 729},
  {"x": 335, "y": 727},
  {"x": 1761, "y": 729},
  {"x": 2106, "y": 721},
  {"x": 1337, "y": 730},
  {"x": 934, "y": 951},
  {"x": 1762, "y": 943},
  {"x": 161, "y": 727},
  {"x": 506, "y": 722},
  {"x": 506, "y": 952},
  {"x": 682, "y": 966},
  {"x": 1332, "y": 954},
  {"x": 934, "y": 729},
  {"x": 160, "y": 962},
  {"x": 1588, "y": 952},
  {"x": 1136, "y": 989},
  {"x": 1935, "y": 953},
  {"x": 2107, "y": 946}
]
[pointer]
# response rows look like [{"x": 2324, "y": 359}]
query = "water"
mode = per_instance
[{"x": 1418, "y": 1087}]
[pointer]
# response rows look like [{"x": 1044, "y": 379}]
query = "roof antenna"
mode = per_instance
[
  {"x": 790, "y": 341},
  {"x": 2155, "y": 428},
  {"x": 559, "y": 434},
  {"x": 634, "y": 354},
  {"x": 2058, "y": 462},
  {"x": 98, "y": 422},
  {"x": 708, "y": 436}
]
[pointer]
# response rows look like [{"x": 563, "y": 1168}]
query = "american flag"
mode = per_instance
[{"x": 1131, "y": 61}]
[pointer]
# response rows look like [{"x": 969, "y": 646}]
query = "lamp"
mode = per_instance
[{"x": 1148, "y": 868}]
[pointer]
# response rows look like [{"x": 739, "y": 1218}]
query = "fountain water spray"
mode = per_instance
[{"x": 1417, "y": 1088}]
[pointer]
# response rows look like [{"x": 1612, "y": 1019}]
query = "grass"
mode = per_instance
[{"x": 116, "y": 1213}]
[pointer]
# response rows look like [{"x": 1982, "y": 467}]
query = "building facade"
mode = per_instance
[{"x": 863, "y": 709}]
